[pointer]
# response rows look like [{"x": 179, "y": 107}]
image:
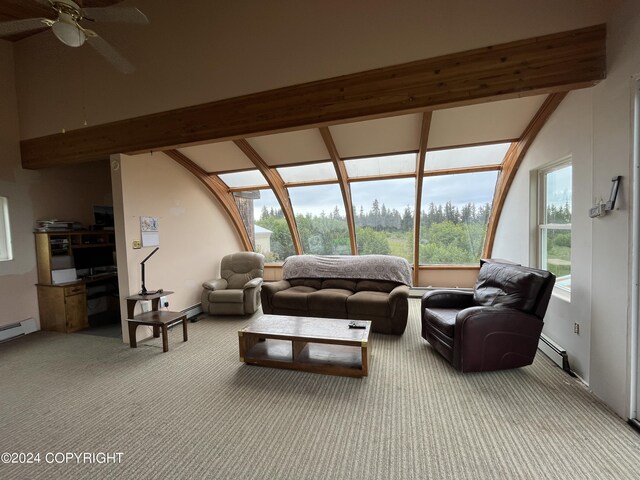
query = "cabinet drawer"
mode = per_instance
[{"x": 74, "y": 290}]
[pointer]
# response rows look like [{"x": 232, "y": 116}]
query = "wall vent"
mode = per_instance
[
  {"x": 555, "y": 352},
  {"x": 15, "y": 330}
]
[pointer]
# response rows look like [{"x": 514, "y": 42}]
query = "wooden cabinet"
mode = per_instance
[{"x": 63, "y": 308}]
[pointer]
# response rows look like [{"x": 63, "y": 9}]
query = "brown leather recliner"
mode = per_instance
[{"x": 496, "y": 326}]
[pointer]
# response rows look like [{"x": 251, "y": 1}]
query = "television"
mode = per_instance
[
  {"x": 103, "y": 216},
  {"x": 94, "y": 258}
]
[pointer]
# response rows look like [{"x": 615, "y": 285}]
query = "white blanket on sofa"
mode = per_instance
[{"x": 365, "y": 267}]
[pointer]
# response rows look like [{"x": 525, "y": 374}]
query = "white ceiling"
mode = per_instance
[
  {"x": 486, "y": 122},
  {"x": 503, "y": 120},
  {"x": 301, "y": 146},
  {"x": 217, "y": 157}
]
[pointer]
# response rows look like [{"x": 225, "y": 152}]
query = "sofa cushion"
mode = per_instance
[
  {"x": 315, "y": 283},
  {"x": 508, "y": 285},
  {"x": 226, "y": 296},
  {"x": 294, "y": 298},
  {"x": 442, "y": 319},
  {"x": 329, "y": 300},
  {"x": 375, "y": 286},
  {"x": 375, "y": 304},
  {"x": 339, "y": 283}
]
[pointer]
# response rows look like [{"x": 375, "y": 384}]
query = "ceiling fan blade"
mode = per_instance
[
  {"x": 109, "y": 53},
  {"x": 20, "y": 26},
  {"x": 115, "y": 14}
]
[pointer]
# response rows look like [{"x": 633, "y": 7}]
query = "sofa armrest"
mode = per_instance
[
  {"x": 399, "y": 308},
  {"x": 447, "y": 299},
  {"x": 215, "y": 284},
  {"x": 401, "y": 291},
  {"x": 492, "y": 338},
  {"x": 272, "y": 288},
  {"x": 253, "y": 283},
  {"x": 268, "y": 290}
]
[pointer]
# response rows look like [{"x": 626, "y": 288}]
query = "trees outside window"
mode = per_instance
[
  {"x": 383, "y": 216},
  {"x": 454, "y": 217},
  {"x": 554, "y": 222}
]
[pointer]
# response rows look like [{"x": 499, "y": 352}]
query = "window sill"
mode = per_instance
[{"x": 562, "y": 294}]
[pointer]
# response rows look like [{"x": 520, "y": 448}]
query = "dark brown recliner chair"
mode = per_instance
[{"x": 495, "y": 327}]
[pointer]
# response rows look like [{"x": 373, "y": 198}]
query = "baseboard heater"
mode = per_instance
[
  {"x": 193, "y": 311},
  {"x": 19, "y": 329},
  {"x": 555, "y": 352}
]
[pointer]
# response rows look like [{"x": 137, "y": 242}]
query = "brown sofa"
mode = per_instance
[
  {"x": 373, "y": 287},
  {"x": 494, "y": 327}
]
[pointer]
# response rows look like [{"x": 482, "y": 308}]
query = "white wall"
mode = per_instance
[
  {"x": 195, "y": 233},
  {"x": 595, "y": 127},
  {"x": 567, "y": 133},
  {"x": 612, "y": 114},
  {"x": 17, "y": 277}
]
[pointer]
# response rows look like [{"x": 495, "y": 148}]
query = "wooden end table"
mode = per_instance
[{"x": 160, "y": 320}]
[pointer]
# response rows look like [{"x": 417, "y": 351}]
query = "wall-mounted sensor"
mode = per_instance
[{"x": 600, "y": 209}]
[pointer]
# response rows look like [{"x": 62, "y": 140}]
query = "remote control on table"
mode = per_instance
[{"x": 356, "y": 325}]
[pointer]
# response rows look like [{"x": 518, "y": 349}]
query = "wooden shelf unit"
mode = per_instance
[
  {"x": 63, "y": 306},
  {"x": 54, "y": 249}
]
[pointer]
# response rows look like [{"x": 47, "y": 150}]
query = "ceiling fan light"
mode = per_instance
[{"x": 69, "y": 34}]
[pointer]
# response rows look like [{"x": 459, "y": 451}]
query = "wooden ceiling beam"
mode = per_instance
[
  {"x": 420, "y": 161},
  {"x": 546, "y": 64},
  {"x": 219, "y": 190},
  {"x": 341, "y": 173},
  {"x": 512, "y": 160},
  {"x": 276, "y": 183}
]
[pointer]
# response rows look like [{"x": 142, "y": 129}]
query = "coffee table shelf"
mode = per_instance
[{"x": 319, "y": 345}]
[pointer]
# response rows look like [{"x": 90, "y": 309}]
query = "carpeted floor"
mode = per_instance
[{"x": 197, "y": 412}]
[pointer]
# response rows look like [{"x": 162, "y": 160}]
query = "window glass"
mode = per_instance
[
  {"x": 307, "y": 173},
  {"x": 386, "y": 165},
  {"x": 454, "y": 216},
  {"x": 321, "y": 220},
  {"x": 265, "y": 223},
  {"x": 555, "y": 227},
  {"x": 384, "y": 217},
  {"x": 466, "y": 157},
  {"x": 248, "y": 178},
  {"x": 5, "y": 231}
]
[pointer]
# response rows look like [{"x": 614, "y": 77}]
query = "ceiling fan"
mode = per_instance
[{"x": 68, "y": 29}]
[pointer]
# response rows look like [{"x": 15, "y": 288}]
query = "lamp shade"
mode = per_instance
[{"x": 69, "y": 33}]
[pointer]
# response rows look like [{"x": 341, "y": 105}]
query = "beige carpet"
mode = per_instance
[{"x": 197, "y": 412}]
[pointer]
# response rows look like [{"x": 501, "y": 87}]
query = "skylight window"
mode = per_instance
[
  {"x": 477, "y": 156},
  {"x": 248, "y": 178},
  {"x": 308, "y": 173},
  {"x": 386, "y": 165}
]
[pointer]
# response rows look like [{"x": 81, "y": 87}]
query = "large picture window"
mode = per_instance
[
  {"x": 554, "y": 222},
  {"x": 454, "y": 217},
  {"x": 384, "y": 217},
  {"x": 321, "y": 219},
  {"x": 266, "y": 225}
]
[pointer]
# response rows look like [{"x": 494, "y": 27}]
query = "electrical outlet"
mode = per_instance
[
  {"x": 576, "y": 328},
  {"x": 137, "y": 244},
  {"x": 145, "y": 305},
  {"x": 164, "y": 302}
]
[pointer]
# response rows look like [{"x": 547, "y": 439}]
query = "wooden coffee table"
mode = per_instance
[{"x": 319, "y": 345}]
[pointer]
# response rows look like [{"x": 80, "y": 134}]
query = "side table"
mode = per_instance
[{"x": 160, "y": 320}]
